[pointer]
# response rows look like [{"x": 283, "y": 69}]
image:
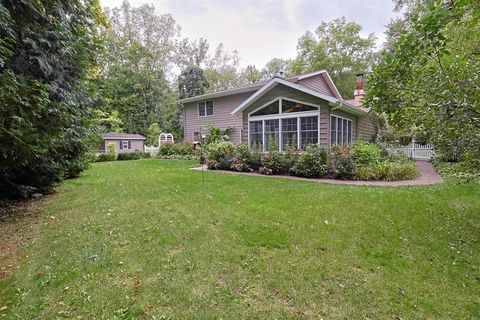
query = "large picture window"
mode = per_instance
[
  {"x": 256, "y": 134},
  {"x": 340, "y": 130},
  {"x": 289, "y": 133},
  {"x": 271, "y": 134},
  {"x": 308, "y": 131},
  {"x": 284, "y": 123},
  {"x": 205, "y": 108}
]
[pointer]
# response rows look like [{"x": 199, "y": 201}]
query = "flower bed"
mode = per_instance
[{"x": 359, "y": 161}]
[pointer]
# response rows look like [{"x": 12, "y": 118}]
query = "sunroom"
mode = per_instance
[
  {"x": 284, "y": 115},
  {"x": 284, "y": 123}
]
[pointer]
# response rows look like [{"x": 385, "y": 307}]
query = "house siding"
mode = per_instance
[
  {"x": 136, "y": 145},
  {"x": 222, "y": 117},
  {"x": 366, "y": 129},
  {"x": 284, "y": 91},
  {"x": 317, "y": 83}
]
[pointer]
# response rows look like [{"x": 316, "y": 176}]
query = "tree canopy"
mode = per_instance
[
  {"x": 337, "y": 47},
  {"x": 429, "y": 81},
  {"x": 48, "y": 66}
]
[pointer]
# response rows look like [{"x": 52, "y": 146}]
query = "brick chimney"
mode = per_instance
[{"x": 358, "y": 93}]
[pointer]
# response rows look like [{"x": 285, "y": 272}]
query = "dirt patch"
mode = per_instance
[{"x": 20, "y": 224}]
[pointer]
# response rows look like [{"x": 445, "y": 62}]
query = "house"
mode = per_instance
[
  {"x": 293, "y": 111},
  {"x": 124, "y": 142}
]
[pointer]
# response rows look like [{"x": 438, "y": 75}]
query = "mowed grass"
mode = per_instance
[{"x": 148, "y": 239}]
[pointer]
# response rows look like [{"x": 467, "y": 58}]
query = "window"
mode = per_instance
[
  {"x": 291, "y": 106},
  {"x": 284, "y": 123},
  {"x": 271, "y": 134},
  {"x": 289, "y": 133},
  {"x": 256, "y": 134},
  {"x": 205, "y": 108},
  {"x": 308, "y": 131},
  {"x": 270, "y": 109},
  {"x": 340, "y": 130},
  {"x": 124, "y": 144}
]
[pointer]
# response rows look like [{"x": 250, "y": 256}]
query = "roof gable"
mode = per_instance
[{"x": 272, "y": 84}]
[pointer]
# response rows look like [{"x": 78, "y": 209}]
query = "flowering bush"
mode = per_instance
[
  {"x": 362, "y": 161},
  {"x": 312, "y": 163},
  {"x": 220, "y": 155},
  {"x": 272, "y": 163},
  {"x": 341, "y": 162}
]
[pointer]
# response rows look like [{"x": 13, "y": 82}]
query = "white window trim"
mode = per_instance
[
  {"x": 206, "y": 115},
  {"x": 330, "y": 125},
  {"x": 279, "y": 99},
  {"x": 125, "y": 142},
  {"x": 279, "y": 116}
]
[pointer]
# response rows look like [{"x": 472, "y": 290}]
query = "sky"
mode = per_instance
[{"x": 263, "y": 29}]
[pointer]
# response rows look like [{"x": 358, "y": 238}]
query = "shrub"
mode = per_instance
[
  {"x": 312, "y": 163},
  {"x": 364, "y": 153},
  {"x": 290, "y": 159},
  {"x": 101, "y": 157},
  {"x": 178, "y": 149},
  {"x": 242, "y": 160},
  {"x": 110, "y": 154},
  {"x": 130, "y": 156},
  {"x": 458, "y": 172},
  {"x": 220, "y": 155},
  {"x": 272, "y": 162},
  {"x": 386, "y": 170},
  {"x": 340, "y": 162}
]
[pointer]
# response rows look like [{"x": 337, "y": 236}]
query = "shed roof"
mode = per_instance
[{"x": 124, "y": 136}]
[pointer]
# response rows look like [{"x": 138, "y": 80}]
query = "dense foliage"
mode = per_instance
[
  {"x": 47, "y": 69},
  {"x": 359, "y": 161},
  {"x": 428, "y": 79},
  {"x": 339, "y": 48},
  {"x": 141, "y": 50}
]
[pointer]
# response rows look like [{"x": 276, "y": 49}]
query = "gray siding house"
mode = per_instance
[
  {"x": 124, "y": 142},
  {"x": 293, "y": 111}
]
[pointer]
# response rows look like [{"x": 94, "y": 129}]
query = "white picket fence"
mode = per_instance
[
  {"x": 151, "y": 149},
  {"x": 417, "y": 151}
]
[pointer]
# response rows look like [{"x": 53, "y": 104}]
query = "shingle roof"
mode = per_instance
[
  {"x": 256, "y": 86},
  {"x": 119, "y": 136}
]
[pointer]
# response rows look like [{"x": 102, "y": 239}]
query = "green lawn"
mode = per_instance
[{"x": 148, "y": 239}]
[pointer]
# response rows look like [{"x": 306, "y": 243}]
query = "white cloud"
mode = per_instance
[{"x": 261, "y": 30}]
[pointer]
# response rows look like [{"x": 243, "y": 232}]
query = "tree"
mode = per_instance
[
  {"x": 251, "y": 74},
  {"x": 337, "y": 47},
  {"x": 222, "y": 70},
  {"x": 141, "y": 55},
  {"x": 109, "y": 121},
  {"x": 192, "y": 82},
  {"x": 429, "y": 81},
  {"x": 153, "y": 134},
  {"x": 47, "y": 74},
  {"x": 274, "y": 67}
]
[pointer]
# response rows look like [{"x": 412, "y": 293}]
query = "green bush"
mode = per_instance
[
  {"x": 272, "y": 163},
  {"x": 458, "y": 172},
  {"x": 130, "y": 156},
  {"x": 243, "y": 160},
  {"x": 101, "y": 157},
  {"x": 220, "y": 155},
  {"x": 177, "y": 149},
  {"x": 290, "y": 159},
  {"x": 386, "y": 170},
  {"x": 340, "y": 162},
  {"x": 364, "y": 153},
  {"x": 312, "y": 163}
]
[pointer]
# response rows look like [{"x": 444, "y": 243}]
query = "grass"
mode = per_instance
[{"x": 147, "y": 239}]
